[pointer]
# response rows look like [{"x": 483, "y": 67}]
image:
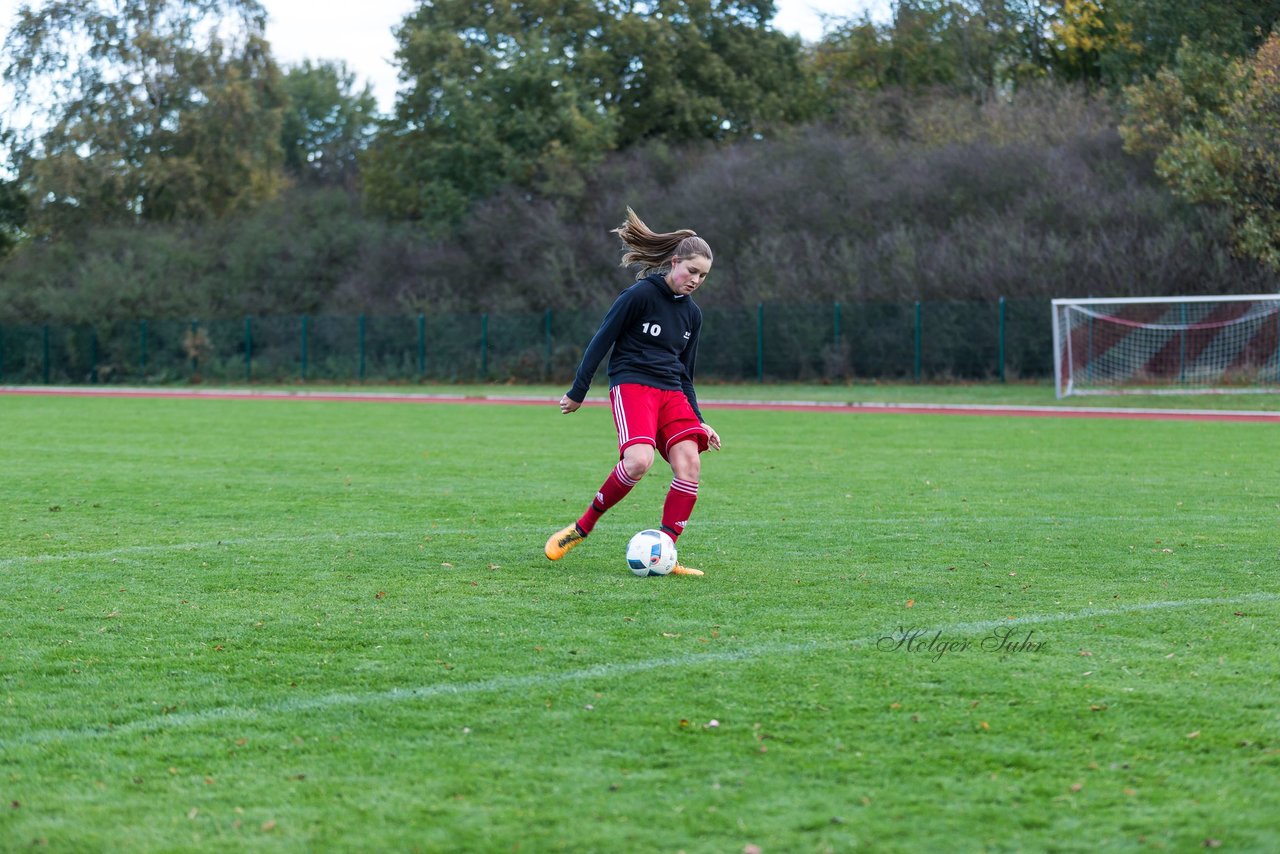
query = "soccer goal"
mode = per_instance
[{"x": 1167, "y": 345}]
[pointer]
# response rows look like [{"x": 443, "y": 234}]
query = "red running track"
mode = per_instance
[{"x": 1130, "y": 413}]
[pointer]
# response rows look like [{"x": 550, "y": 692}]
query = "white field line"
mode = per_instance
[
  {"x": 502, "y": 684},
  {"x": 131, "y": 551}
]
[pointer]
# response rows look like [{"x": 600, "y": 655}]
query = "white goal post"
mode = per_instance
[{"x": 1167, "y": 345}]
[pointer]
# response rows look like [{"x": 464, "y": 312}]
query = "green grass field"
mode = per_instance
[{"x": 296, "y": 625}]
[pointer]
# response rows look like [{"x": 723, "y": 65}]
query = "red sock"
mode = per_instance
[
  {"x": 678, "y": 507},
  {"x": 615, "y": 488}
]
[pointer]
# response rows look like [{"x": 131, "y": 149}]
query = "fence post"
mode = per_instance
[
  {"x": 93, "y": 355},
  {"x": 546, "y": 326},
  {"x": 422, "y": 347},
  {"x": 1182, "y": 344},
  {"x": 1002, "y": 339},
  {"x": 484, "y": 346},
  {"x": 836, "y": 318},
  {"x": 142, "y": 349},
  {"x": 760, "y": 342},
  {"x": 919, "y": 342},
  {"x": 248, "y": 348},
  {"x": 195, "y": 347},
  {"x": 361, "y": 348},
  {"x": 46, "y": 354},
  {"x": 303, "y": 353}
]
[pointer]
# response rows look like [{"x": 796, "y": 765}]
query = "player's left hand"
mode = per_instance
[{"x": 713, "y": 438}]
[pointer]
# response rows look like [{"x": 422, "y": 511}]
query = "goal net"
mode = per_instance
[{"x": 1169, "y": 345}]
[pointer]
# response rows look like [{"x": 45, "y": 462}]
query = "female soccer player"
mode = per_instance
[{"x": 653, "y": 329}]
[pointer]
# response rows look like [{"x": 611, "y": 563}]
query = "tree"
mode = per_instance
[
  {"x": 13, "y": 216},
  {"x": 1214, "y": 124},
  {"x": 151, "y": 109},
  {"x": 528, "y": 91},
  {"x": 1091, "y": 35},
  {"x": 1157, "y": 28},
  {"x": 327, "y": 124},
  {"x": 976, "y": 47}
]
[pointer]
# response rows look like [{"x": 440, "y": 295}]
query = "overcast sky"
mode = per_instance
[{"x": 359, "y": 32}]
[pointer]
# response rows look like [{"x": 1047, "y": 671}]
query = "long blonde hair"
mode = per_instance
[{"x": 648, "y": 250}]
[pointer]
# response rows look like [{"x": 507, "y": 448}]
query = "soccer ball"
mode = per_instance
[{"x": 651, "y": 552}]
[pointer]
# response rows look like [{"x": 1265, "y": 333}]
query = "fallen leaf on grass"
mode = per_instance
[
  {"x": 1195, "y": 734},
  {"x": 911, "y": 603}
]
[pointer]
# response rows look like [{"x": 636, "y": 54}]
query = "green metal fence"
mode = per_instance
[{"x": 766, "y": 342}]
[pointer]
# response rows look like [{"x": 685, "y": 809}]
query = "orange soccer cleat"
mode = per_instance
[
  {"x": 562, "y": 541},
  {"x": 680, "y": 569}
]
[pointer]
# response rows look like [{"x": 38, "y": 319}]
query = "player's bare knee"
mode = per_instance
[
  {"x": 637, "y": 460},
  {"x": 687, "y": 468}
]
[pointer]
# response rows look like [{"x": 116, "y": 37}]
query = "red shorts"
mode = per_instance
[{"x": 654, "y": 416}]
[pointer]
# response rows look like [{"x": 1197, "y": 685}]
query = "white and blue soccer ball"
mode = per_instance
[{"x": 651, "y": 552}]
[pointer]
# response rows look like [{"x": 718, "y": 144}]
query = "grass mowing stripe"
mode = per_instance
[{"x": 613, "y": 669}]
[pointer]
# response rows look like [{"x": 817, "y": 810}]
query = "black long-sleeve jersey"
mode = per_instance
[{"x": 654, "y": 335}]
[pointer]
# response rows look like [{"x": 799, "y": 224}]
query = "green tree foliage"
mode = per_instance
[
  {"x": 1214, "y": 125},
  {"x": 144, "y": 109},
  {"x": 327, "y": 123},
  {"x": 1151, "y": 32},
  {"x": 973, "y": 46},
  {"x": 527, "y": 91},
  {"x": 13, "y": 216},
  {"x": 980, "y": 47}
]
